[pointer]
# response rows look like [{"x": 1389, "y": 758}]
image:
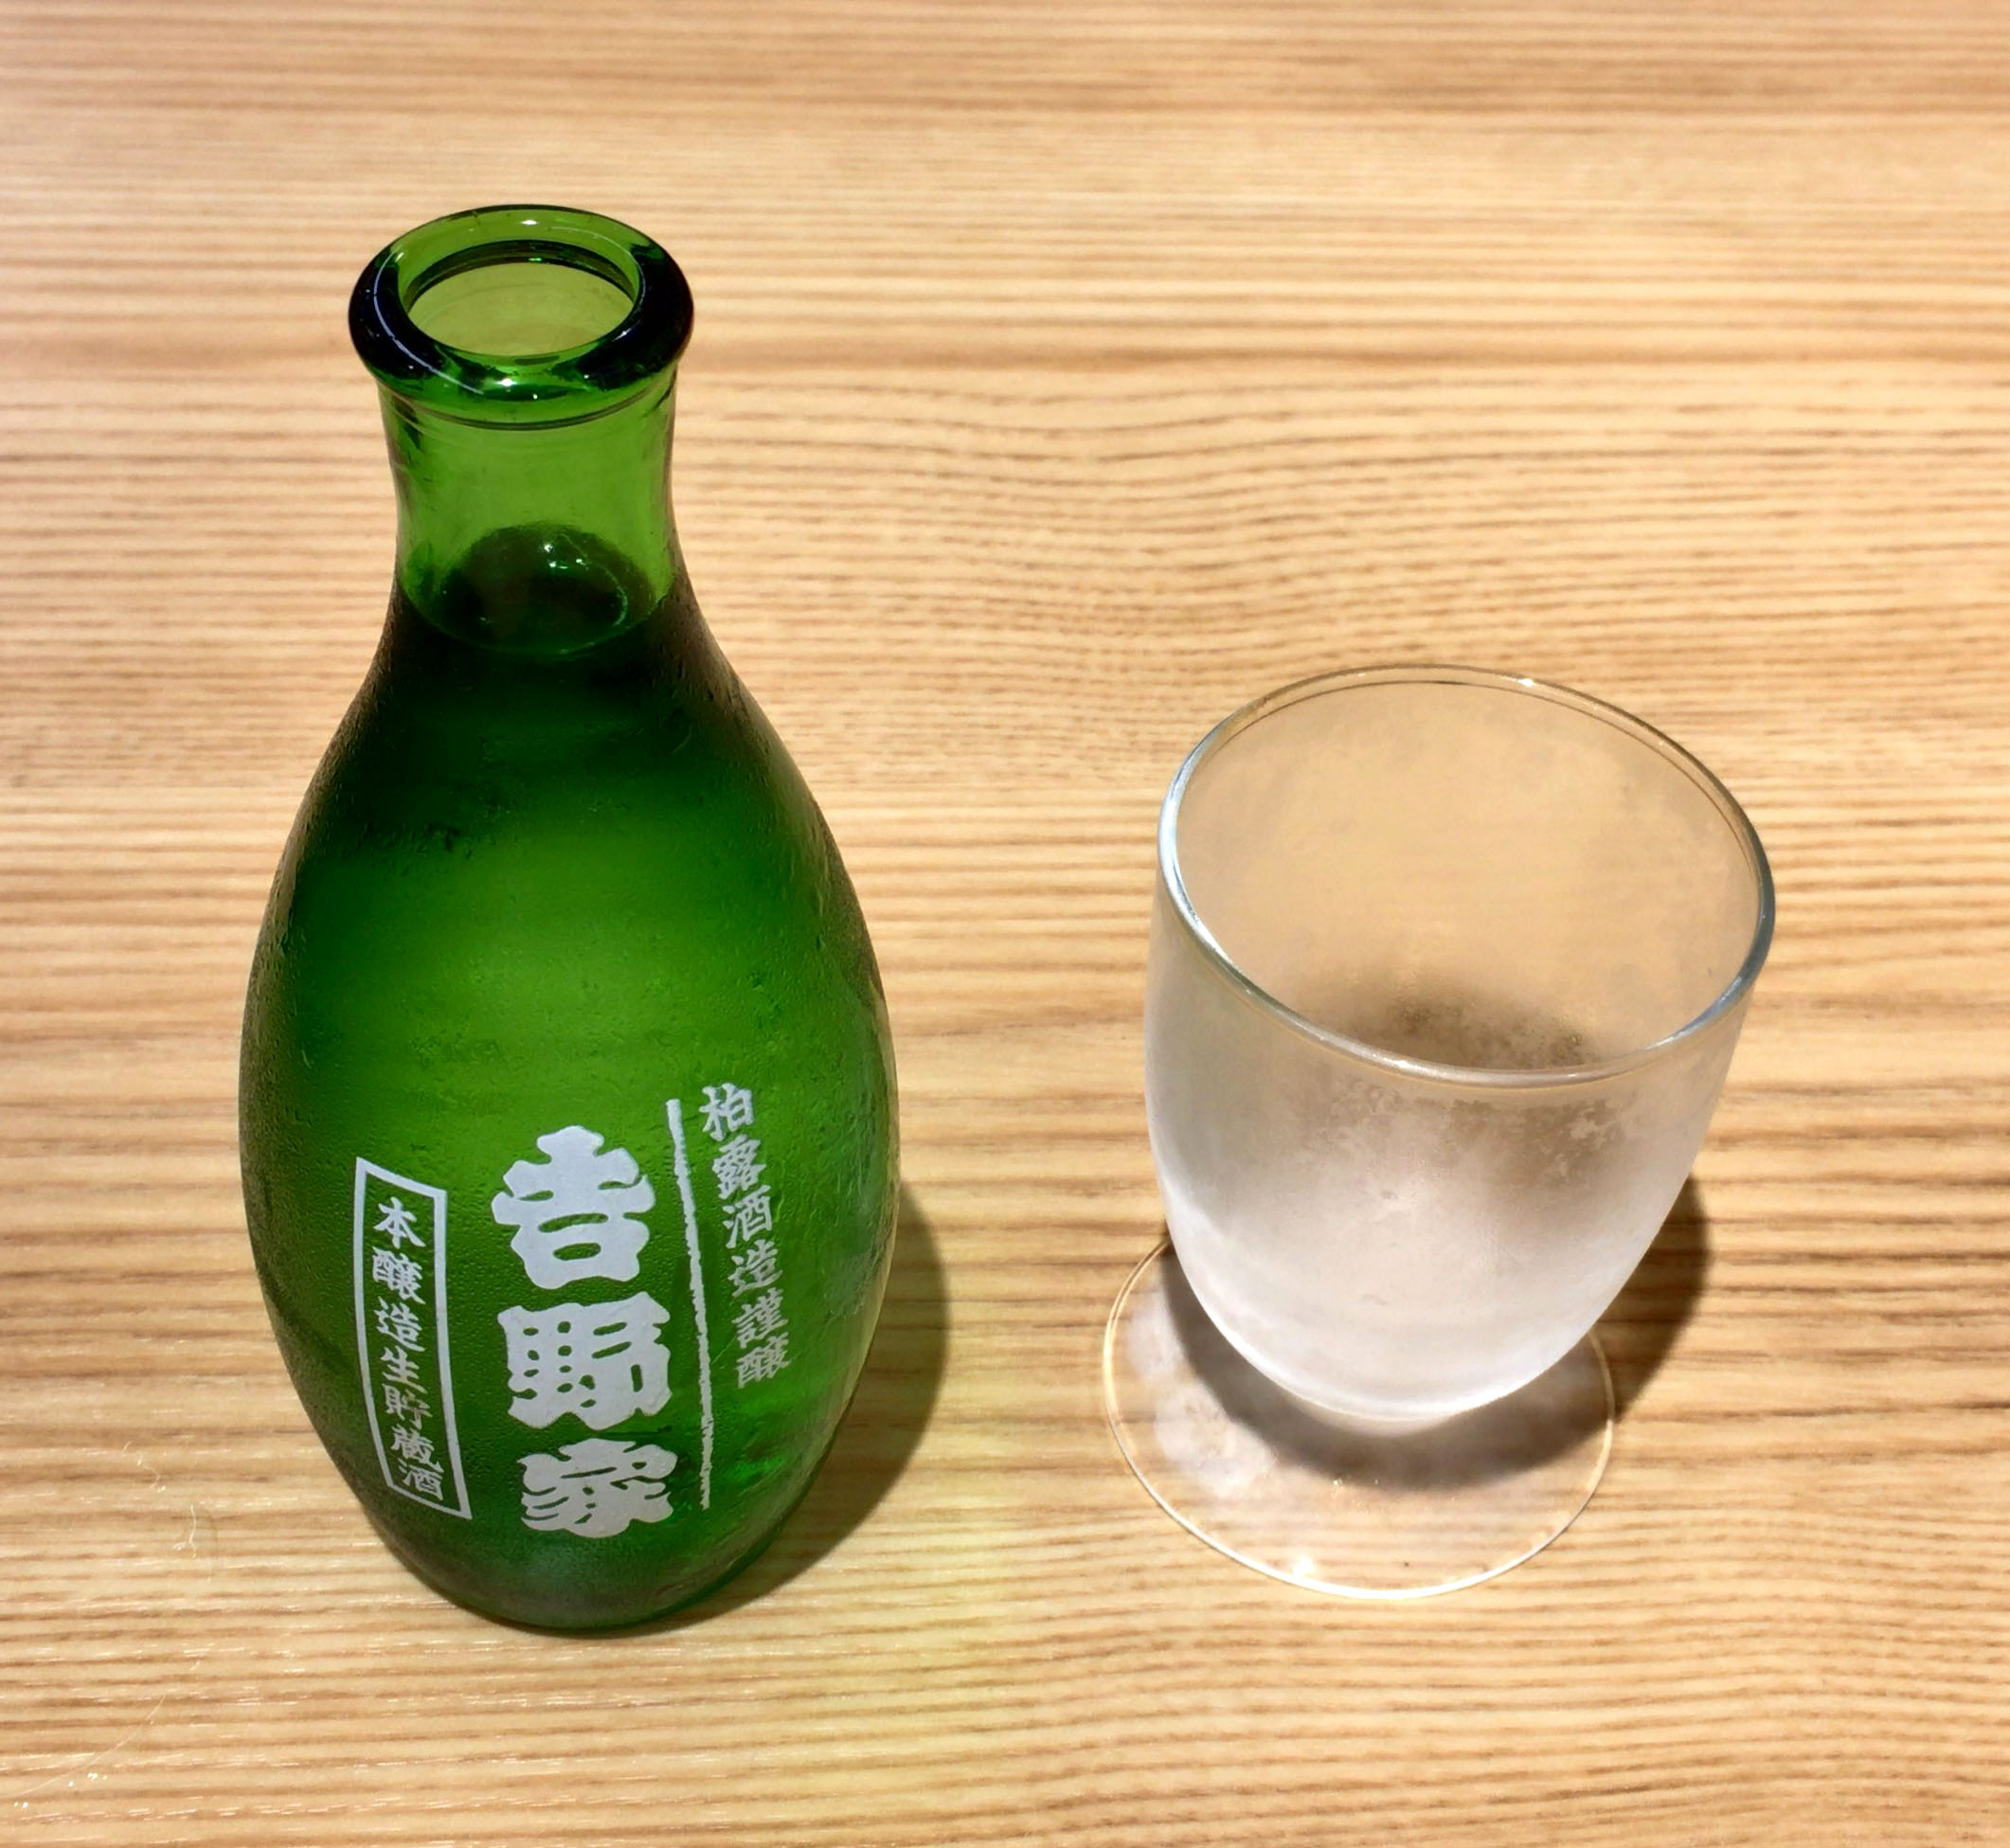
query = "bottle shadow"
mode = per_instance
[
  {"x": 1564, "y": 1408},
  {"x": 881, "y": 1431}
]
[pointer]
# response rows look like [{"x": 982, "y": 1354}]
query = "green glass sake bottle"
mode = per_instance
[{"x": 568, "y": 1107}]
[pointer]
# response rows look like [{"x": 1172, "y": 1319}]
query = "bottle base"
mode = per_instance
[{"x": 547, "y": 1619}]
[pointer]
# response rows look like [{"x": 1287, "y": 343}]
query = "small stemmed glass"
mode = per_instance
[{"x": 1446, "y": 970}]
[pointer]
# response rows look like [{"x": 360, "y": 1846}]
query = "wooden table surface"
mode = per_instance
[{"x": 1065, "y": 374}]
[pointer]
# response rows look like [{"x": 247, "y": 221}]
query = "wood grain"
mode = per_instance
[{"x": 1065, "y": 375}]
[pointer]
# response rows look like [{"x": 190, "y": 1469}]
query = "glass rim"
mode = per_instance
[
  {"x": 1485, "y": 1077},
  {"x": 576, "y": 382}
]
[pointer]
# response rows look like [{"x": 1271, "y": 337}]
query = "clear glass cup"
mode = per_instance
[{"x": 1446, "y": 971}]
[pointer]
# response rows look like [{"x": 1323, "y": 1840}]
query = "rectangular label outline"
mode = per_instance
[{"x": 437, "y": 1195}]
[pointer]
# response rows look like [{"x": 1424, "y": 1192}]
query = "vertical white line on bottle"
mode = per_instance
[
  {"x": 675, "y": 1111},
  {"x": 363, "y": 1333},
  {"x": 440, "y": 1340}
]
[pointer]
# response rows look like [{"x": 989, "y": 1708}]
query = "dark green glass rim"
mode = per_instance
[{"x": 583, "y": 380}]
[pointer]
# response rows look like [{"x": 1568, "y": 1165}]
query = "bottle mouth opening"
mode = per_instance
[{"x": 520, "y": 314}]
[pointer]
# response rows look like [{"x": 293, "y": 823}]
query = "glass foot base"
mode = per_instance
[{"x": 1248, "y": 1469}]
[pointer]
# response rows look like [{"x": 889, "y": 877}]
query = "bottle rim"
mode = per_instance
[{"x": 576, "y": 382}]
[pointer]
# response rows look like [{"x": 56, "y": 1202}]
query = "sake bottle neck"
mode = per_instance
[
  {"x": 526, "y": 357},
  {"x": 534, "y": 535}
]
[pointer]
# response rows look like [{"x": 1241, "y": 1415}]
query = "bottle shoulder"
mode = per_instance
[
  {"x": 648, "y": 734},
  {"x": 643, "y": 784}
]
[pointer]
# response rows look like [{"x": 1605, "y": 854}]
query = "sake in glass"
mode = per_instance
[{"x": 1446, "y": 970}]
